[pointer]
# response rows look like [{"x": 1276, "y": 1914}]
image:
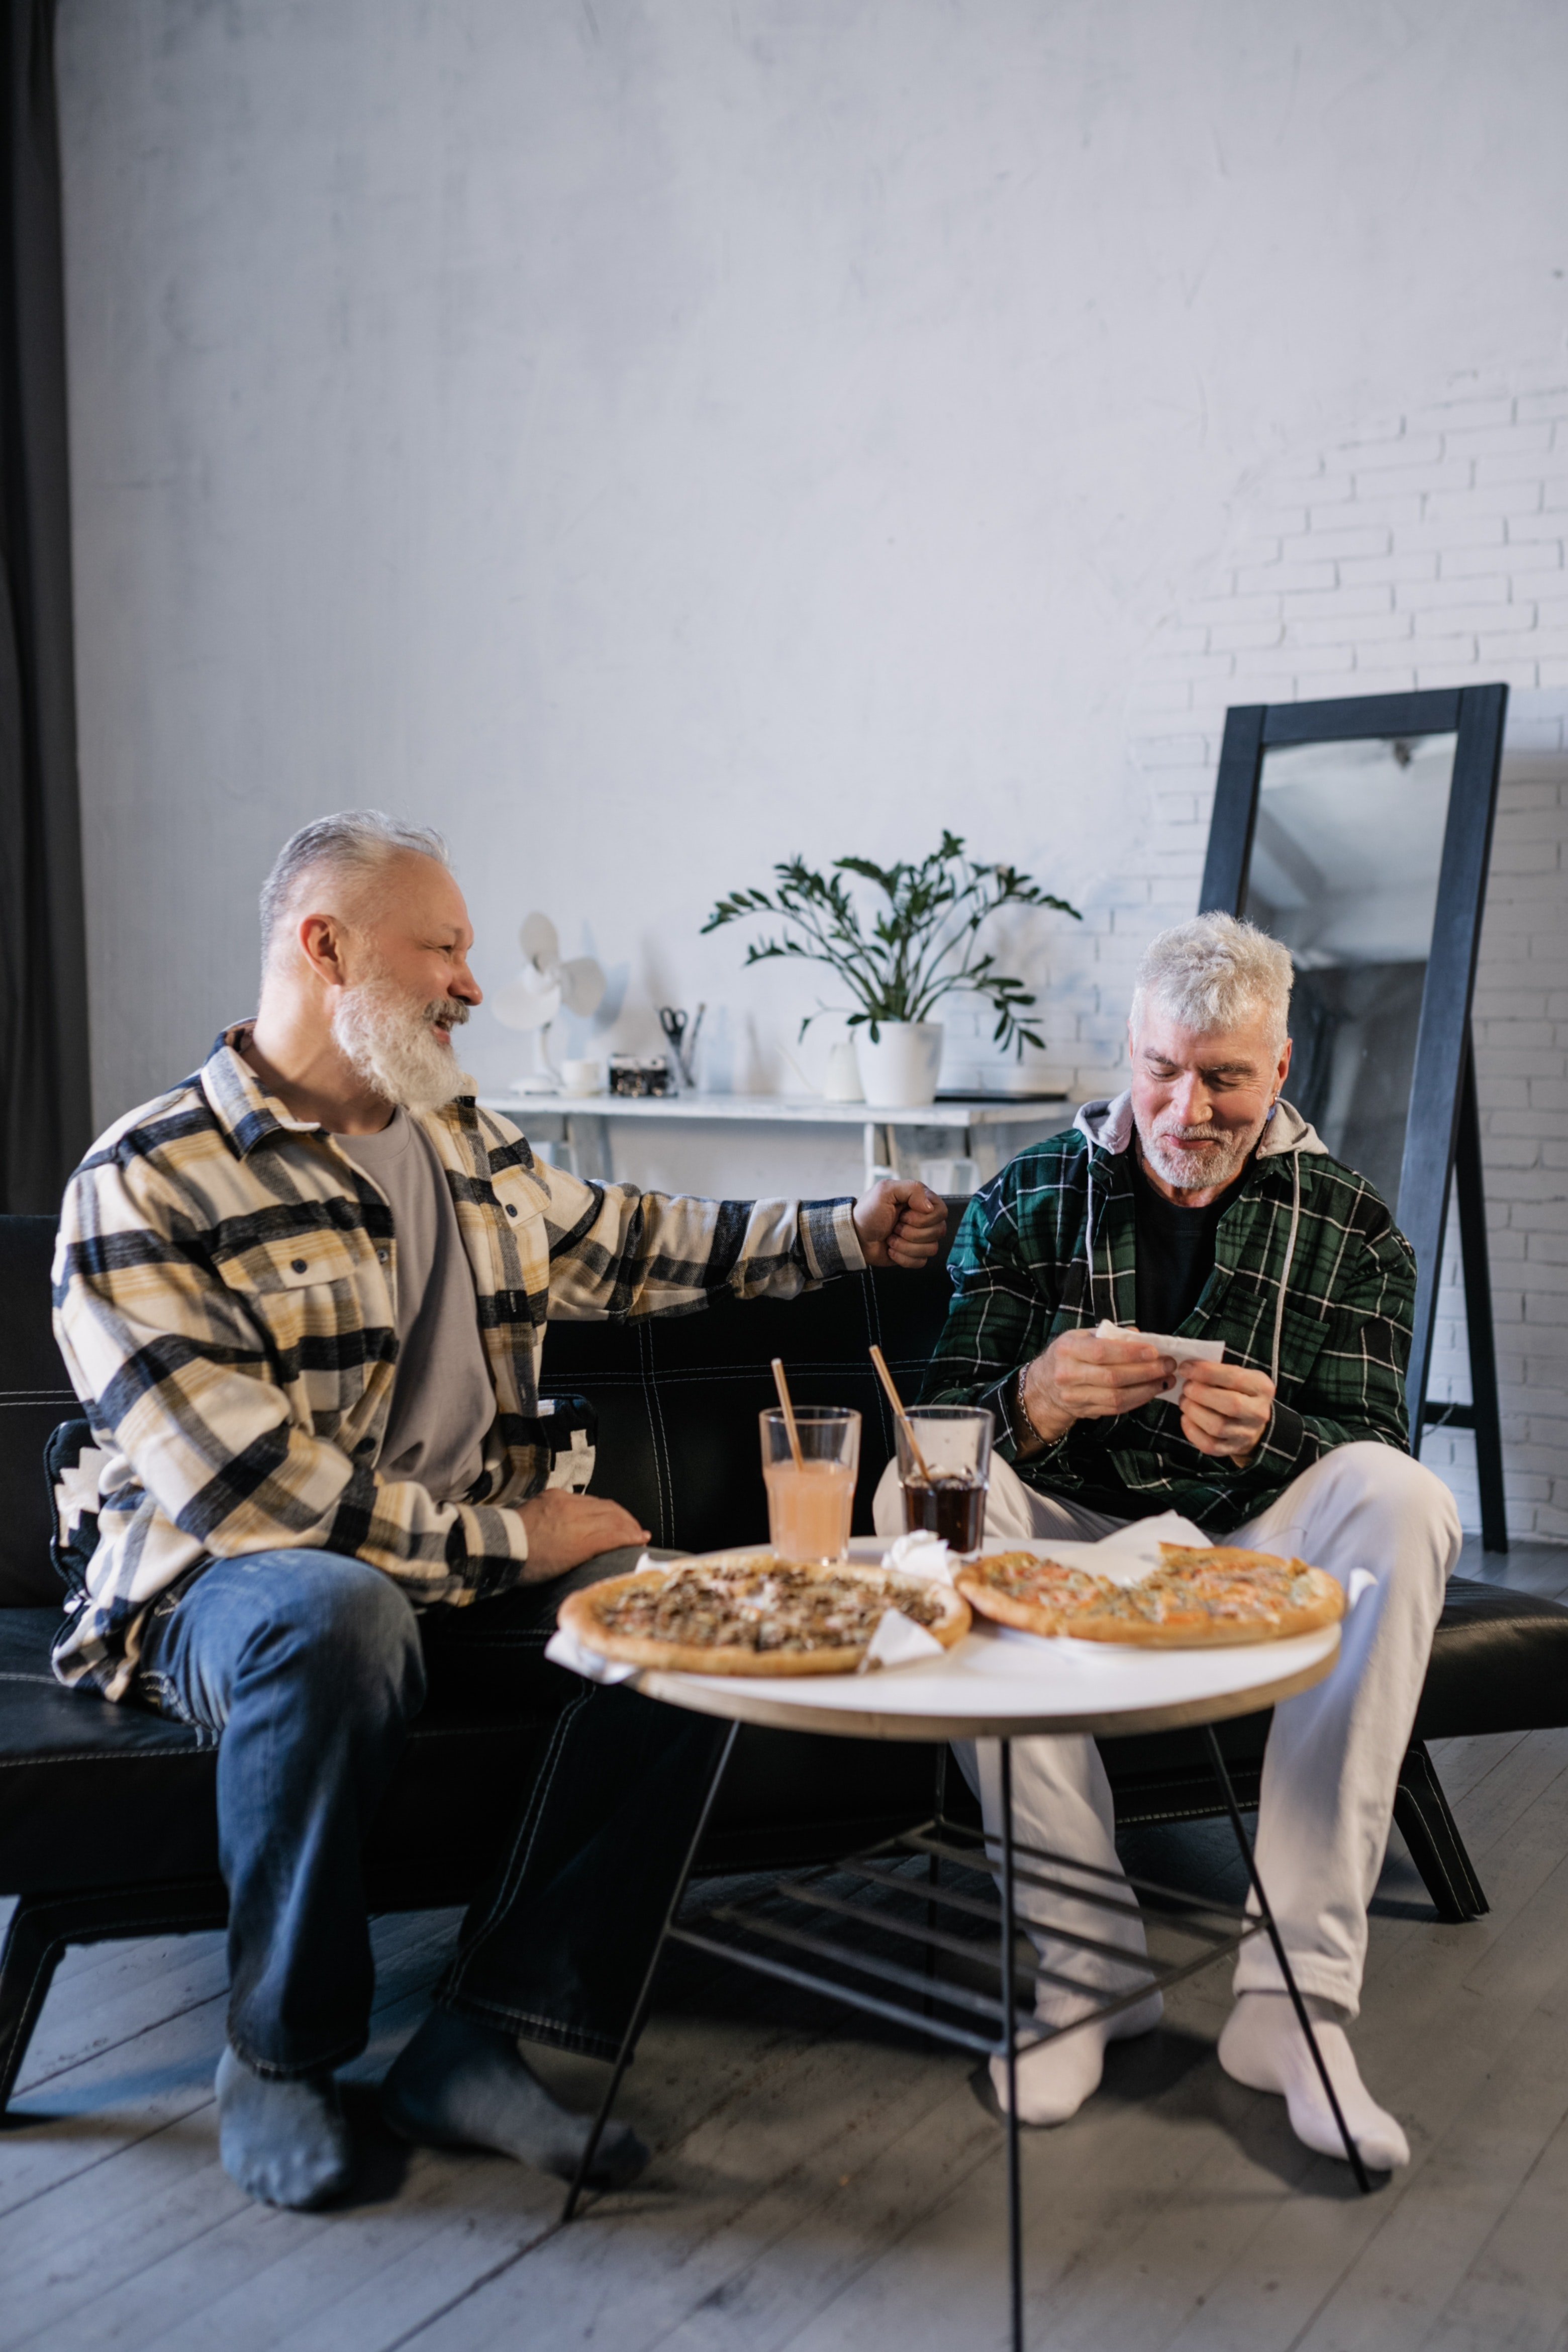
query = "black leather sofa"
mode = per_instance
[{"x": 106, "y": 1820}]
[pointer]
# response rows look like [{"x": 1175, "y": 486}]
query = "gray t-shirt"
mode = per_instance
[{"x": 442, "y": 1401}]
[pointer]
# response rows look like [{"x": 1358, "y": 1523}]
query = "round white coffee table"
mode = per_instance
[
  {"x": 999, "y": 1685},
  {"x": 992, "y": 1684}
]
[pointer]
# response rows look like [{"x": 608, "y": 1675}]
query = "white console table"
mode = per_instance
[{"x": 584, "y": 1122}]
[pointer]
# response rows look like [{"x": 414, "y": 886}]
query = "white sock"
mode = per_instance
[
  {"x": 1263, "y": 2046},
  {"x": 1055, "y": 2077}
]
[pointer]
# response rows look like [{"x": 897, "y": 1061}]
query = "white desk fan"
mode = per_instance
[{"x": 548, "y": 983}]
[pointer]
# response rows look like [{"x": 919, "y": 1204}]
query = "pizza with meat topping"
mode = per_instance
[
  {"x": 751, "y": 1613},
  {"x": 1199, "y": 1596}
]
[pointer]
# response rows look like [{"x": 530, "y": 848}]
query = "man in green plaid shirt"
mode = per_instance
[{"x": 1199, "y": 1207}]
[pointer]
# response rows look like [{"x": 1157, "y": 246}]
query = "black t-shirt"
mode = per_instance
[{"x": 1174, "y": 1253}]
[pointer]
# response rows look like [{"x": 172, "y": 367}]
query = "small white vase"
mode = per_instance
[
  {"x": 842, "y": 1083},
  {"x": 899, "y": 1070}
]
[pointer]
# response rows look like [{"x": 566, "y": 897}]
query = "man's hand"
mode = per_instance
[
  {"x": 1226, "y": 1409},
  {"x": 899, "y": 1223},
  {"x": 565, "y": 1529},
  {"x": 1082, "y": 1378}
]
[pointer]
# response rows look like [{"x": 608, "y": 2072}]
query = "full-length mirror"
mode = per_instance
[
  {"x": 1346, "y": 849},
  {"x": 1358, "y": 832}
]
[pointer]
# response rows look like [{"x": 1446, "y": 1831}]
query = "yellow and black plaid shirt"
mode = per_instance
[{"x": 224, "y": 1296}]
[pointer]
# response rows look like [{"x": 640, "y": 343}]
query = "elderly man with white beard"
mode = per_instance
[{"x": 302, "y": 1298}]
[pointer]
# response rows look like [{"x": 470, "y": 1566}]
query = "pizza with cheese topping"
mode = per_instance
[
  {"x": 750, "y": 1613},
  {"x": 1199, "y": 1596}
]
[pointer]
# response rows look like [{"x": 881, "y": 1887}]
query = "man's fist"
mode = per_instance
[
  {"x": 1226, "y": 1409},
  {"x": 899, "y": 1223},
  {"x": 565, "y": 1529},
  {"x": 1081, "y": 1378}
]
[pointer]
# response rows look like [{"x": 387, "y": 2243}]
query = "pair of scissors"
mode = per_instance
[{"x": 674, "y": 1024}]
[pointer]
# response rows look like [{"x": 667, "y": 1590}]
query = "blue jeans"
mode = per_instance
[{"x": 306, "y": 1668}]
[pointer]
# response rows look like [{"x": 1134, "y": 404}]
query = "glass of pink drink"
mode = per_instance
[{"x": 810, "y": 1502}]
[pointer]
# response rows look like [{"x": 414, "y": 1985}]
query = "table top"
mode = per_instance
[
  {"x": 785, "y": 1110},
  {"x": 1000, "y": 1685}
]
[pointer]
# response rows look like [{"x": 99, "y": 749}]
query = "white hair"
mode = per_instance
[
  {"x": 1215, "y": 972},
  {"x": 351, "y": 845}
]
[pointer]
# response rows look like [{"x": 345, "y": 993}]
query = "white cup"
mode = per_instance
[
  {"x": 582, "y": 1077},
  {"x": 843, "y": 1082}
]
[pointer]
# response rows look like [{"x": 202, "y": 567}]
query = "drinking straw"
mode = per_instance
[
  {"x": 911, "y": 1440},
  {"x": 782, "y": 1387}
]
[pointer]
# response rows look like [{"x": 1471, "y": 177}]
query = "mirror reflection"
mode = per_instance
[{"x": 1345, "y": 857}]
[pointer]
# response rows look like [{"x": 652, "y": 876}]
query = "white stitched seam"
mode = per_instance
[{"x": 527, "y": 1829}]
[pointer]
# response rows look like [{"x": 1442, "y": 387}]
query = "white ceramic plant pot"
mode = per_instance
[{"x": 899, "y": 1070}]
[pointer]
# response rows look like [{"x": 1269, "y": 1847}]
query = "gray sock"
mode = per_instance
[
  {"x": 459, "y": 2083},
  {"x": 282, "y": 2140}
]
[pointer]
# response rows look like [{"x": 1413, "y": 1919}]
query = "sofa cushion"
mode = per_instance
[
  {"x": 92, "y": 1793},
  {"x": 1499, "y": 1663},
  {"x": 98, "y": 1795}
]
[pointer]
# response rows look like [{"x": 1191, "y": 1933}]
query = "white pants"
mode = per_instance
[{"x": 1333, "y": 1754}]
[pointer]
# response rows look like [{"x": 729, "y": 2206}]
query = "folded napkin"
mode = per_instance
[
  {"x": 898, "y": 1642},
  {"x": 1130, "y": 1554},
  {"x": 563, "y": 1649},
  {"x": 922, "y": 1554},
  {"x": 1183, "y": 1352}
]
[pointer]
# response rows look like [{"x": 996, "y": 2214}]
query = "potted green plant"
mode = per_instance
[{"x": 921, "y": 943}]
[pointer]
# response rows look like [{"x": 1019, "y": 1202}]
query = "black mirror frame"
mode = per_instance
[{"x": 1443, "y": 1126}]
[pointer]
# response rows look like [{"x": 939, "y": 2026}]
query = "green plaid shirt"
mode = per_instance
[{"x": 1307, "y": 1260}]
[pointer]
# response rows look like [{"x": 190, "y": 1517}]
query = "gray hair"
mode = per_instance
[
  {"x": 1215, "y": 972},
  {"x": 353, "y": 845}
]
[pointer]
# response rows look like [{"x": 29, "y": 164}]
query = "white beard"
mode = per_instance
[
  {"x": 1216, "y": 1162},
  {"x": 388, "y": 1038}
]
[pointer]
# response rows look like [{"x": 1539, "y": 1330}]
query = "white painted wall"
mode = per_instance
[
  {"x": 647, "y": 439},
  {"x": 1425, "y": 547}
]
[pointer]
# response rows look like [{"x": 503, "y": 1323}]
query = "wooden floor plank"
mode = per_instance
[
  {"x": 1515, "y": 2291},
  {"x": 371, "y": 2272},
  {"x": 1452, "y": 2210},
  {"x": 794, "y": 2180},
  {"x": 148, "y": 2138}
]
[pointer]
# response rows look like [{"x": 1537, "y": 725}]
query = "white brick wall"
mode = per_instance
[{"x": 1424, "y": 551}]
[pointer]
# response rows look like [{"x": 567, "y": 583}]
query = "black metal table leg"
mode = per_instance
[
  {"x": 934, "y": 1866},
  {"x": 639, "y": 2011},
  {"x": 1303, "y": 2019},
  {"x": 1009, "y": 2028}
]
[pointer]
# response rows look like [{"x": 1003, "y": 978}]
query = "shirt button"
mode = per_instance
[
  {"x": 511, "y": 1210},
  {"x": 300, "y": 1265}
]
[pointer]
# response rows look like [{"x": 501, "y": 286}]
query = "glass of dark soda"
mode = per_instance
[{"x": 944, "y": 1484}]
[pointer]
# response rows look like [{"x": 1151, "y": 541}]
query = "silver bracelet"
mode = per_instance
[{"x": 1024, "y": 1413}]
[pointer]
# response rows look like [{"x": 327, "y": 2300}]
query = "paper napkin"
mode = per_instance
[
  {"x": 563, "y": 1649},
  {"x": 898, "y": 1642},
  {"x": 1183, "y": 1352},
  {"x": 921, "y": 1554}
]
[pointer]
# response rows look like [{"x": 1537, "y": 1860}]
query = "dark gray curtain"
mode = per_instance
[{"x": 45, "y": 1104}]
